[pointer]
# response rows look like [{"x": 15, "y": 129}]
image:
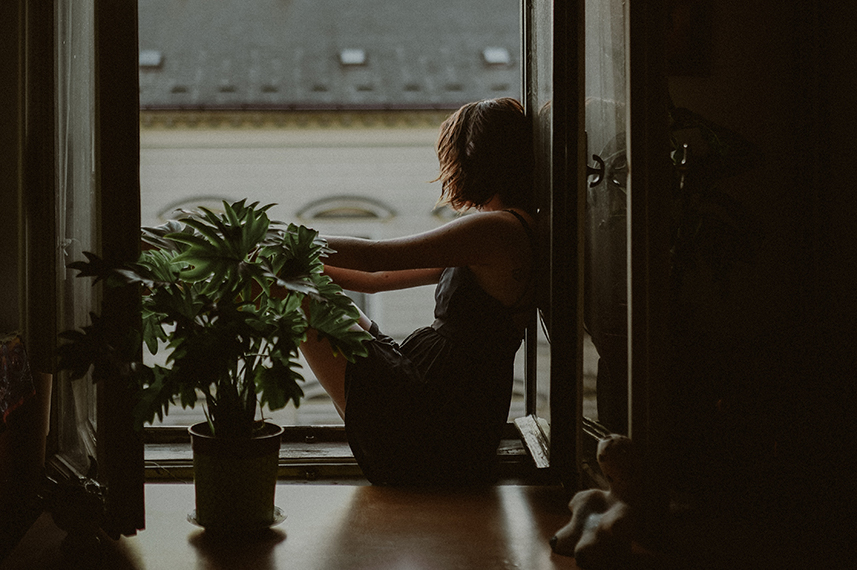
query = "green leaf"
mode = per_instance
[
  {"x": 338, "y": 326},
  {"x": 94, "y": 267},
  {"x": 225, "y": 293},
  {"x": 278, "y": 385},
  {"x": 155, "y": 397}
]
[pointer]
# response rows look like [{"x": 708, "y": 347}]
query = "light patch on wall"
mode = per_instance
[
  {"x": 151, "y": 59},
  {"x": 496, "y": 56},
  {"x": 352, "y": 56}
]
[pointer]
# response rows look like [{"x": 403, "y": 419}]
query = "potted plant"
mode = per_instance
[{"x": 231, "y": 295}]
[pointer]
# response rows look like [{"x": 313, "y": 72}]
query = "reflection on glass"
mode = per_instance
[
  {"x": 605, "y": 311},
  {"x": 537, "y": 99}
]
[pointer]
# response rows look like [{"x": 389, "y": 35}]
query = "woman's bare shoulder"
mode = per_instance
[{"x": 491, "y": 221}]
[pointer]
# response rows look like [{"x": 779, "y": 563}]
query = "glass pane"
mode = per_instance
[
  {"x": 308, "y": 103},
  {"x": 606, "y": 320},
  {"x": 75, "y": 134},
  {"x": 539, "y": 86}
]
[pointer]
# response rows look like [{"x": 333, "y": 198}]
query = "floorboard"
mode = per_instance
[{"x": 338, "y": 526}]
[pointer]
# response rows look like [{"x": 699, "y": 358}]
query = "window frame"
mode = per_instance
[
  {"x": 118, "y": 166},
  {"x": 121, "y": 450},
  {"x": 648, "y": 231},
  {"x": 523, "y": 451},
  {"x": 648, "y": 245},
  {"x": 29, "y": 91},
  {"x": 572, "y": 437}
]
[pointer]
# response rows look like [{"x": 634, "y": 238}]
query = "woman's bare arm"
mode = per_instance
[
  {"x": 375, "y": 282},
  {"x": 476, "y": 239}
]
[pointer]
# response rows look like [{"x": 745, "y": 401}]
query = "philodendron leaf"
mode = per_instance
[
  {"x": 84, "y": 349},
  {"x": 298, "y": 253},
  {"x": 302, "y": 284},
  {"x": 160, "y": 266},
  {"x": 153, "y": 330},
  {"x": 94, "y": 267},
  {"x": 339, "y": 329},
  {"x": 202, "y": 256},
  {"x": 332, "y": 295},
  {"x": 91, "y": 348},
  {"x": 278, "y": 385},
  {"x": 154, "y": 399}
]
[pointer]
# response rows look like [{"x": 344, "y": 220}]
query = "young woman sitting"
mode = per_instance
[{"x": 431, "y": 410}]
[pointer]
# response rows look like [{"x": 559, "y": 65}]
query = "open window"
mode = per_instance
[
  {"x": 604, "y": 221},
  {"x": 338, "y": 133},
  {"x": 102, "y": 115}
]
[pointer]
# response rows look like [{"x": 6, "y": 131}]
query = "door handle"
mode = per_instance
[{"x": 598, "y": 172}]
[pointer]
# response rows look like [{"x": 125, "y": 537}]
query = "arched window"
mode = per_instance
[
  {"x": 173, "y": 211},
  {"x": 346, "y": 208}
]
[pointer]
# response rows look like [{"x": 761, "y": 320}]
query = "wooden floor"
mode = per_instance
[{"x": 339, "y": 526}]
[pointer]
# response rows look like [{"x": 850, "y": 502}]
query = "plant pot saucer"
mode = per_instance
[{"x": 279, "y": 517}]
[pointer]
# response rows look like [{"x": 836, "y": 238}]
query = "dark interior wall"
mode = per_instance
[
  {"x": 783, "y": 76},
  {"x": 11, "y": 125},
  {"x": 837, "y": 228},
  {"x": 837, "y": 245},
  {"x": 741, "y": 374},
  {"x": 753, "y": 87}
]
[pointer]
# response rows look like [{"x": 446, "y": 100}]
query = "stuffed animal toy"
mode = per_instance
[{"x": 605, "y": 525}]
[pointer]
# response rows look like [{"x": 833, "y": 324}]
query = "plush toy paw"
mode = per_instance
[{"x": 604, "y": 523}]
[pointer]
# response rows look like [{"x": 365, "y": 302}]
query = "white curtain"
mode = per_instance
[{"x": 76, "y": 207}]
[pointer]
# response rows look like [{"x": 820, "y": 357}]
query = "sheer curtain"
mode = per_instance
[
  {"x": 98, "y": 209},
  {"x": 75, "y": 214}
]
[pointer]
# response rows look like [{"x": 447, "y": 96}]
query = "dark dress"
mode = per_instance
[{"x": 431, "y": 410}]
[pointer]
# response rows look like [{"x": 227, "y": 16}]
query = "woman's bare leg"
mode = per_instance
[{"x": 328, "y": 367}]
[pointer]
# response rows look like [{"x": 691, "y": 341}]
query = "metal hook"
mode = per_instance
[{"x": 597, "y": 172}]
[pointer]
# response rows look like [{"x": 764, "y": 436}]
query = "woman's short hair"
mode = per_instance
[{"x": 485, "y": 148}]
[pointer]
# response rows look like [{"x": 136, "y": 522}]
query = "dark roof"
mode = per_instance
[{"x": 308, "y": 54}]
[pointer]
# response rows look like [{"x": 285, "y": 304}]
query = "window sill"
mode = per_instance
[{"x": 318, "y": 453}]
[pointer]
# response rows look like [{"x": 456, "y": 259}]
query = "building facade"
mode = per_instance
[{"x": 330, "y": 110}]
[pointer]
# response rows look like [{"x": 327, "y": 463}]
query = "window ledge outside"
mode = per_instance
[{"x": 312, "y": 453}]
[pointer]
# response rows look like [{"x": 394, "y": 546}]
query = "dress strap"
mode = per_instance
[
  {"x": 527, "y": 227},
  {"x": 516, "y": 306}
]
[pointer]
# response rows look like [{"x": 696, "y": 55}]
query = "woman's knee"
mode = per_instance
[{"x": 328, "y": 367}]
